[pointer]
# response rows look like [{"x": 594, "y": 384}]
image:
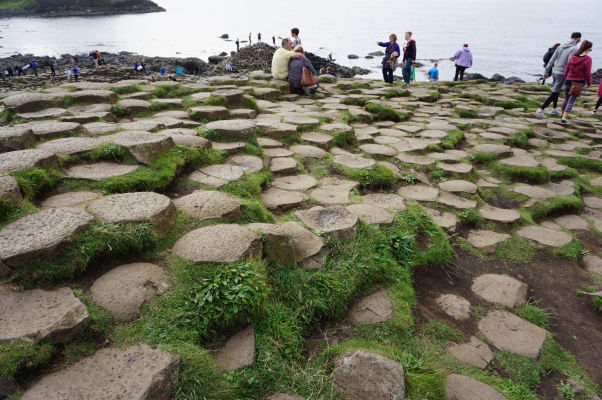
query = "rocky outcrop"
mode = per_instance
[{"x": 66, "y": 8}]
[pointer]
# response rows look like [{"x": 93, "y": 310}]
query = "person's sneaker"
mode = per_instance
[
  {"x": 563, "y": 121},
  {"x": 306, "y": 91},
  {"x": 555, "y": 112},
  {"x": 406, "y": 85},
  {"x": 540, "y": 113},
  {"x": 594, "y": 112}
]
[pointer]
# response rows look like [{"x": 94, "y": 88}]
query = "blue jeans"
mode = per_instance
[{"x": 405, "y": 70}]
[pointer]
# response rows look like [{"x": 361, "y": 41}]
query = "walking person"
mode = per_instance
[
  {"x": 274, "y": 40},
  {"x": 463, "y": 59},
  {"x": 598, "y": 103},
  {"x": 237, "y": 45},
  {"x": 392, "y": 52},
  {"x": 250, "y": 41},
  {"x": 19, "y": 70},
  {"x": 52, "y": 65},
  {"x": 259, "y": 37},
  {"x": 557, "y": 69},
  {"x": 409, "y": 57},
  {"x": 549, "y": 54},
  {"x": 95, "y": 58},
  {"x": 34, "y": 66},
  {"x": 578, "y": 75}
]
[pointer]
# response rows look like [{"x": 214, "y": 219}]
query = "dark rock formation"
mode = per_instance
[
  {"x": 597, "y": 76},
  {"x": 64, "y": 8}
]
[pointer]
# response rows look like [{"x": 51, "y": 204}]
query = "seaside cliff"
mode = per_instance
[{"x": 67, "y": 8}]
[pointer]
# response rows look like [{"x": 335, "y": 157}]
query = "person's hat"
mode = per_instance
[{"x": 465, "y": 44}]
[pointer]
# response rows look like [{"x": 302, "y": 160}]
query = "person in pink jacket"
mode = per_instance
[
  {"x": 599, "y": 103},
  {"x": 578, "y": 74}
]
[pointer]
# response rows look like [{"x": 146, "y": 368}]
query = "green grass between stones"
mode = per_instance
[
  {"x": 382, "y": 113},
  {"x": 534, "y": 315},
  {"x": 556, "y": 206},
  {"x": 520, "y": 140},
  {"x": 19, "y": 357},
  {"x": 379, "y": 176},
  {"x": 536, "y": 175},
  {"x": 515, "y": 250}
]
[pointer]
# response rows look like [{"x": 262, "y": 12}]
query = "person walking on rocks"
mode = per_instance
[
  {"x": 259, "y": 37},
  {"x": 75, "y": 72},
  {"x": 19, "y": 70},
  {"x": 578, "y": 75},
  {"x": 34, "y": 66},
  {"x": 409, "y": 57},
  {"x": 52, "y": 65},
  {"x": 274, "y": 40},
  {"x": 548, "y": 56},
  {"x": 598, "y": 103},
  {"x": 392, "y": 52},
  {"x": 463, "y": 59},
  {"x": 557, "y": 69},
  {"x": 250, "y": 41},
  {"x": 237, "y": 45},
  {"x": 281, "y": 59}
]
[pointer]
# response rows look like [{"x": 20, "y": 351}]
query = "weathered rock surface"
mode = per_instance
[
  {"x": 418, "y": 193},
  {"x": 218, "y": 243},
  {"x": 508, "y": 332},
  {"x": 474, "y": 353},
  {"x": 371, "y": 214},
  {"x": 233, "y": 128},
  {"x": 238, "y": 352},
  {"x": 136, "y": 207},
  {"x": 372, "y": 309},
  {"x": 278, "y": 199},
  {"x": 542, "y": 237},
  {"x": 143, "y": 146},
  {"x": 295, "y": 182},
  {"x": 69, "y": 199},
  {"x": 135, "y": 372},
  {"x": 455, "y": 306},
  {"x": 100, "y": 171},
  {"x": 499, "y": 214},
  {"x": 501, "y": 289},
  {"x": 9, "y": 188},
  {"x": 460, "y": 387},
  {"x": 40, "y": 235},
  {"x": 16, "y": 137},
  {"x": 361, "y": 375},
  {"x": 36, "y": 315},
  {"x": 124, "y": 289},
  {"x": 391, "y": 202},
  {"x": 209, "y": 204},
  {"x": 15, "y": 161},
  {"x": 486, "y": 241},
  {"x": 336, "y": 221}
]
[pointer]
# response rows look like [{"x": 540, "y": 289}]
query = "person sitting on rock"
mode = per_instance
[
  {"x": 296, "y": 72},
  {"x": 282, "y": 58}
]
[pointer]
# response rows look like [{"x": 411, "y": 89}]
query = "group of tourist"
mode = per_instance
[
  {"x": 289, "y": 63},
  {"x": 570, "y": 67}
]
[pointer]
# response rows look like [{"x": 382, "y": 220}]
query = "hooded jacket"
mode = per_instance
[
  {"x": 463, "y": 57},
  {"x": 560, "y": 59},
  {"x": 579, "y": 69}
]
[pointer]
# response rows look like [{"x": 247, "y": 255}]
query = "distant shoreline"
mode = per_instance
[{"x": 145, "y": 7}]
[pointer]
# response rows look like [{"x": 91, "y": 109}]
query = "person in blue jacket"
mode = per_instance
[
  {"x": 434, "y": 73},
  {"x": 389, "y": 62}
]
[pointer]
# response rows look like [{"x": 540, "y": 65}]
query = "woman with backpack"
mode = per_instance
[
  {"x": 302, "y": 75},
  {"x": 578, "y": 74},
  {"x": 390, "y": 60}
]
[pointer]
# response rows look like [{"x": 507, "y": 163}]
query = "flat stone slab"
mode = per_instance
[
  {"x": 492, "y": 148},
  {"x": 209, "y": 112},
  {"x": 136, "y": 207},
  {"x": 333, "y": 191},
  {"x": 354, "y": 161},
  {"x": 14, "y": 161},
  {"x": 283, "y": 165},
  {"x": 592, "y": 202},
  {"x": 508, "y": 332},
  {"x": 49, "y": 129},
  {"x": 572, "y": 222},
  {"x": 456, "y": 168},
  {"x": 135, "y": 104},
  {"x": 377, "y": 149},
  {"x": 218, "y": 244},
  {"x": 145, "y": 125},
  {"x": 308, "y": 151},
  {"x": 238, "y": 352},
  {"x": 36, "y": 315},
  {"x": 100, "y": 171},
  {"x": 295, "y": 182},
  {"x": 460, "y": 387},
  {"x": 136, "y": 372},
  {"x": 222, "y": 172},
  {"x": 592, "y": 264},
  {"x": 456, "y": 201},
  {"x": 319, "y": 139},
  {"x": 372, "y": 309},
  {"x": 499, "y": 214},
  {"x": 28, "y": 102},
  {"x": 445, "y": 220},
  {"x": 41, "y": 235},
  {"x": 233, "y": 128},
  {"x": 9, "y": 188},
  {"x": 388, "y": 201},
  {"x": 16, "y": 137},
  {"x": 415, "y": 159},
  {"x": 248, "y": 164},
  {"x": 279, "y": 130},
  {"x": 277, "y": 152},
  {"x": 336, "y": 221},
  {"x": 458, "y": 186},
  {"x": 523, "y": 160},
  {"x": 301, "y": 121},
  {"x": 455, "y": 306},
  {"x": 70, "y": 146},
  {"x": 69, "y": 199},
  {"x": 282, "y": 200},
  {"x": 542, "y": 237},
  {"x": 360, "y": 375},
  {"x": 210, "y": 204},
  {"x": 475, "y": 353},
  {"x": 144, "y": 146},
  {"x": 535, "y": 192},
  {"x": 371, "y": 214},
  {"x": 123, "y": 290},
  {"x": 94, "y": 96},
  {"x": 486, "y": 241},
  {"x": 500, "y": 289},
  {"x": 418, "y": 193}
]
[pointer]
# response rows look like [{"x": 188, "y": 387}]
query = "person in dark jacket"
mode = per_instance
[
  {"x": 295, "y": 73},
  {"x": 549, "y": 54},
  {"x": 34, "y": 66},
  {"x": 392, "y": 53},
  {"x": 409, "y": 57}
]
